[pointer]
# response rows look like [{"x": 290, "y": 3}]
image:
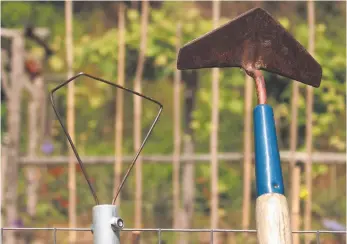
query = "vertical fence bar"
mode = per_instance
[
  {"x": 309, "y": 124},
  {"x": 32, "y": 173},
  {"x": 294, "y": 169},
  {"x": 317, "y": 237},
  {"x": 70, "y": 119},
  {"x": 119, "y": 100},
  {"x": 214, "y": 130},
  {"x": 137, "y": 117},
  {"x": 13, "y": 122},
  {"x": 159, "y": 236},
  {"x": 3, "y": 168},
  {"x": 177, "y": 137},
  {"x": 55, "y": 236}
]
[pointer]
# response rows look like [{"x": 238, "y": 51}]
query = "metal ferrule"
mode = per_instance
[
  {"x": 106, "y": 224},
  {"x": 267, "y": 159}
]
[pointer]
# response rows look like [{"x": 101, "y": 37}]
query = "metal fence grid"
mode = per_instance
[{"x": 159, "y": 232}]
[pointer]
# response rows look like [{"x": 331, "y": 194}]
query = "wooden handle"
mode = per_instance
[{"x": 272, "y": 217}]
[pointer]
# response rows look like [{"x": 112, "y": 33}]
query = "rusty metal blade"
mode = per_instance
[{"x": 252, "y": 40}]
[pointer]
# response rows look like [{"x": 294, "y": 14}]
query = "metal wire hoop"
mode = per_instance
[{"x": 73, "y": 146}]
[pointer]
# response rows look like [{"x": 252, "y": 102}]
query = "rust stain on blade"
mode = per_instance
[{"x": 254, "y": 39}]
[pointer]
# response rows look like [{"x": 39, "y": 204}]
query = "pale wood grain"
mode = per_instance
[{"x": 272, "y": 217}]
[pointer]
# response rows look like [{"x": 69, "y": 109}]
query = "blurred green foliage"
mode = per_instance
[{"x": 95, "y": 52}]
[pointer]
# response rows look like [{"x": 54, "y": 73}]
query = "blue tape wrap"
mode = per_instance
[{"x": 267, "y": 159}]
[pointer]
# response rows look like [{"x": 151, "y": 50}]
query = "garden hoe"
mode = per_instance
[{"x": 254, "y": 41}]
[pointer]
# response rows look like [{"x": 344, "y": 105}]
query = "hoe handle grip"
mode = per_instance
[{"x": 272, "y": 218}]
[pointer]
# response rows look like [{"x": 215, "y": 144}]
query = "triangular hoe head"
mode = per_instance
[{"x": 252, "y": 40}]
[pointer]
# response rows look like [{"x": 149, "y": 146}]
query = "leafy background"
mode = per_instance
[{"x": 95, "y": 52}]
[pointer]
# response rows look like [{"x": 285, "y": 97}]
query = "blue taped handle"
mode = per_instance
[{"x": 267, "y": 159}]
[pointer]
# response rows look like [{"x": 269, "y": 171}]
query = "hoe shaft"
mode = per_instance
[{"x": 272, "y": 217}]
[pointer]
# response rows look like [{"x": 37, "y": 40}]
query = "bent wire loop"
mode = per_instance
[{"x": 73, "y": 146}]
